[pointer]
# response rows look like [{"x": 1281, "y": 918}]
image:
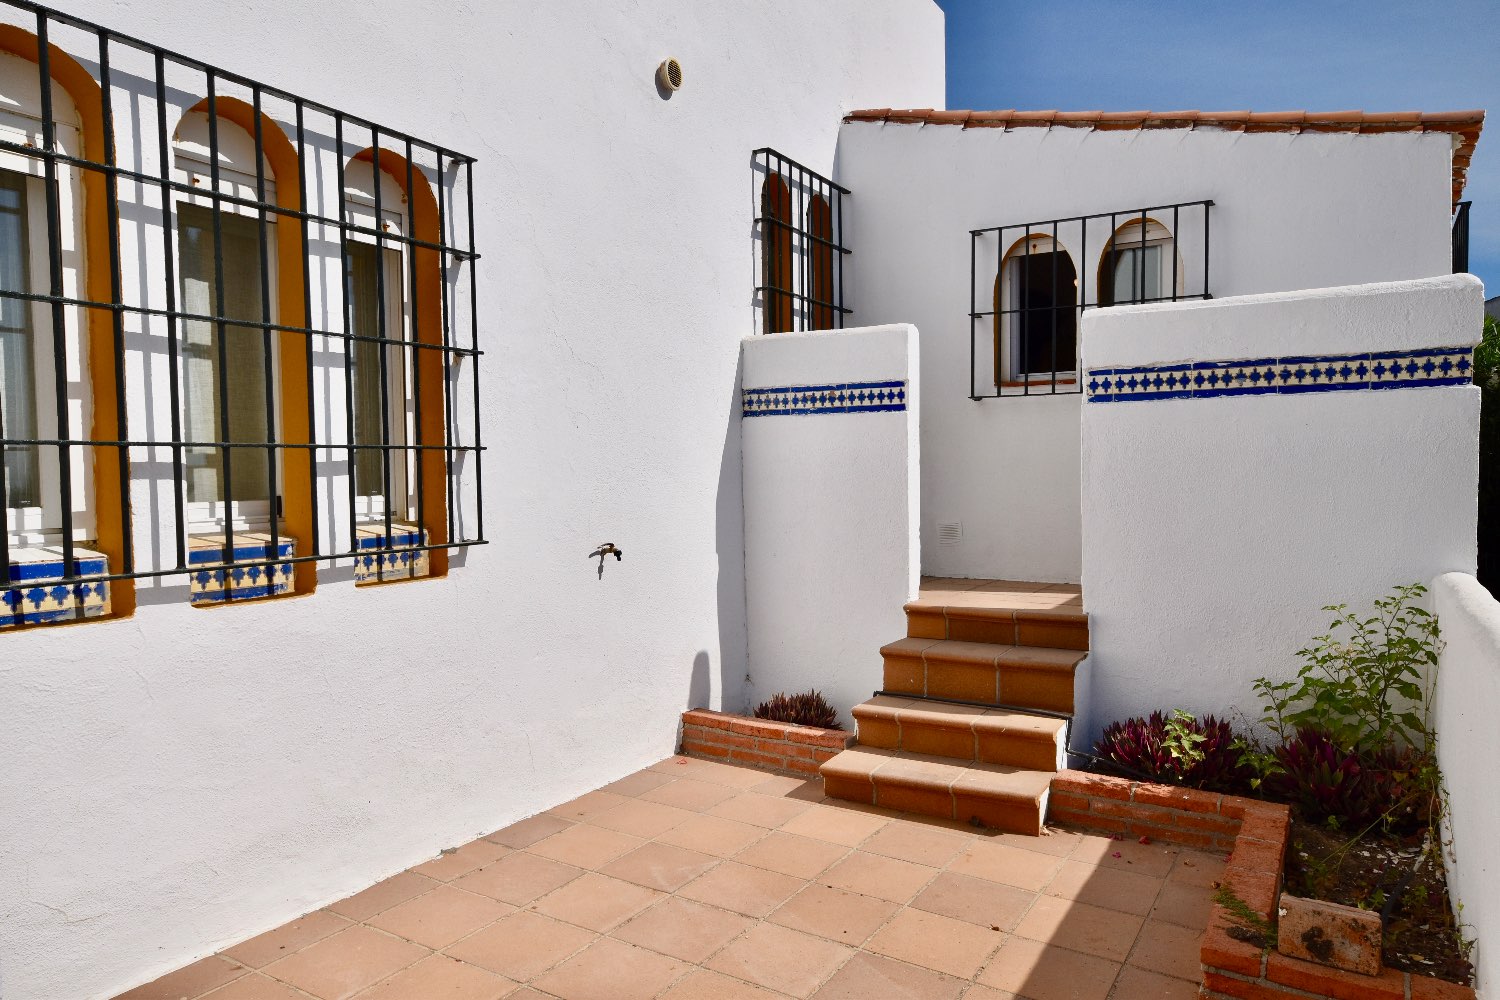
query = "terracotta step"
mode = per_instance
[
  {"x": 1009, "y": 626},
  {"x": 1024, "y": 677},
  {"x": 963, "y": 732},
  {"x": 1004, "y": 798}
]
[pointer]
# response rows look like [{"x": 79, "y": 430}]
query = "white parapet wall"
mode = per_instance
[
  {"x": 1467, "y": 704},
  {"x": 829, "y": 446},
  {"x": 1249, "y": 460}
]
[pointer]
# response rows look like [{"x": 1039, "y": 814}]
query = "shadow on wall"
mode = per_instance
[{"x": 729, "y": 545}]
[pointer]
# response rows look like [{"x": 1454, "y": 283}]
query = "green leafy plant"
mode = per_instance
[
  {"x": 807, "y": 709},
  {"x": 1177, "y": 750},
  {"x": 1248, "y": 925}
]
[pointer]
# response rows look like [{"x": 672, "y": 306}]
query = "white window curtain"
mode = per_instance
[
  {"x": 244, "y": 355},
  {"x": 17, "y": 364},
  {"x": 1137, "y": 274}
]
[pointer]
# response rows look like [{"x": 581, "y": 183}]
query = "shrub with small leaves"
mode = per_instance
[
  {"x": 808, "y": 709},
  {"x": 1177, "y": 750}
]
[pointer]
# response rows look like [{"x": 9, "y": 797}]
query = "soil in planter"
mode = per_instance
[{"x": 1420, "y": 935}]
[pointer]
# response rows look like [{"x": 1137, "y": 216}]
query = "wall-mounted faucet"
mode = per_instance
[{"x": 607, "y": 549}]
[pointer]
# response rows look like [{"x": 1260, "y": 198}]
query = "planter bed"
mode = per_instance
[
  {"x": 772, "y": 746},
  {"x": 1255, "y": 834}
]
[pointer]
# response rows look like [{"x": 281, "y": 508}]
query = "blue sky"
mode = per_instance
[{"x": 1261, "y": 55}]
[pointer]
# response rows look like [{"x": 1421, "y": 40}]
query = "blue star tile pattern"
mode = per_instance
[
  {"x": 41, "y": 596},
  {"x": 848, "y": 397},
  {"x": 400, "y": 560},
  {"x": 1427, "y": 367},
  {"x": 215, "y": 583}
]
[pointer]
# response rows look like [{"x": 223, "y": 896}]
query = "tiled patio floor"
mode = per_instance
[
  {"x": 694, "y": 880},
  {"x": 958, "y": 592}
]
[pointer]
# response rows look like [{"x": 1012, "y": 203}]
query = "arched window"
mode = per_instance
[
  {"x": 820, "y": 278},
  {"x": 1036, "y": 314},
  {"x": 1138, "y": 264},
  {"x": 34, "y": 335},
  {"x": 776, "y": 254}
]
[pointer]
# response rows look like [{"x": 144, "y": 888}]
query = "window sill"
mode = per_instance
[
  {"x": 377, "y": 564},
  {"x": 212, "y": 584},
  {"x": 41, "y": 597}
]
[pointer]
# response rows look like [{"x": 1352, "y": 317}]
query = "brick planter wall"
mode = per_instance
[
  {"x": 1254, "y": 834},
  {"x": 774, "y": 746}
]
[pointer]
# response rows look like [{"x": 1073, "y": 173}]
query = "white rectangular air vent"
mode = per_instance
[{"x": 950, "y": 533}]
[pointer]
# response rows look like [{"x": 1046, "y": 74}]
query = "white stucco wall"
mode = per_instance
[
  {"x": 1290, "y": 212},
  {"x": 183, "y": 779},
  {"x": 1215, "y": 529},
  {"x": 1468, "y": 698},
  {"x": 831, "y": 516}
]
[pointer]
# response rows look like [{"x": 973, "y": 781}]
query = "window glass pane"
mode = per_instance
[
  {"x": 17, "y": 371},
  {"x": 1046, "y": 301},
  {"x": 1137, "y": 269},
  {"x": 244, "y": 355}
]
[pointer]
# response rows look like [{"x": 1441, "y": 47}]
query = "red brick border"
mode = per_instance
[
  {"x": 773, "y": 746},
  {"x": 1254, "y": 834}
]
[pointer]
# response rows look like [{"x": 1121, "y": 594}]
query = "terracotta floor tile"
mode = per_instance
[
  {"x": 1007, "y": 865},
  {"x": 780, "y": 959},
  {"x": 1106, "y": 887},
  {"x": 754, "y": 892},
  {"x": 1197, "y": 868},
  {"x": 440, "y": 917},
  {"x": 1042, "y": 972},
  {"x": 867, "y": 977},
  {"x": 943, "y": 944},
  {"x": 836, "y": 824},
  {"x": 1054, "y": 841},
  {"x": 528, "y": 831},
  {"x": 916, "y": 842},
  {"x": 977, "y": 992},
  {"x": 789, "y": 854},
  {"x": 189, "y": 981},
  {"x": 691, "y": 794},
  {"x": 340, "y": 966},
  {"x": 587, "y": 805},
  {"x": 1168, "y": 949},
  {"x": 255, "y": 987},
  {"x": 444, "y": 977},
  {"x": 585, "y": 846},
  {"x": 634, "y": 784},
  {"x": 883, "y": 878},
  {"x": 521, "y": 946},
  {"x": 760, "y": 810},
  {"x": 683, "y": 929},
  {"x": 723, "y": 838},
  {"x": 383, "y": 895},
  {"x": 611, "y": 970},
  {"x": 1154, "y": 859},
  {"x": 596, "y": 901},
  {"x": 1133, "y": 983},
  {"x": 845, "y": 917},
  {"x": 976, "y": 900},
  {"x": 790, "y": 786},
  {"x": 465, "y": 859},
  {"x": 705, "y": 985},
  {"x": 1183, "y": 904},
  {"x": 642, "y": 819},
  {"x": 1078, "y": 926},
  {"x": 518, "y": 878},
  {"x": 732, "y": 775},
  {"x": 286, "y": 939},
  {"x": 660, "y": 866}
]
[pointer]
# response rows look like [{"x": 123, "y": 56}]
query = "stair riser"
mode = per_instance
[
  {"x": 960, "y": 744},
  {"x": 1005, "y": 684},
  {"x": 1011, "y": 816},
  {"x": 1025, "y": 629}
]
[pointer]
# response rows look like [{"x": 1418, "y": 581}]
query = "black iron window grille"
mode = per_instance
[
  {"x": 799, "y": 226},
  {"x": 1036, "y": 279},
  {"x": 1461, "y": 237},
  {"x": 256, "y": 318}
]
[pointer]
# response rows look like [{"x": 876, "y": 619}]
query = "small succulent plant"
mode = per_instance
[
  {"x": 808, "y": 709},
  {"x": 1177, "y": 750}
]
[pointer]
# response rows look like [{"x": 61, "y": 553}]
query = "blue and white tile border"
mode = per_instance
[
  {"x": 846, "y": 397},
  {"x": 1435, "y": 366}
]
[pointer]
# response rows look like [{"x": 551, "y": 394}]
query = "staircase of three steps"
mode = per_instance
[{"x": 971, "y": 721}]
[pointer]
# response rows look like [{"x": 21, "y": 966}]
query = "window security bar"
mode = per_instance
[
  {"x": 1037, "y": 279},
  {"x": 1461, "y": 237},
  {"x": 799, "y": 223},
  {"x": 270, "y": 302}
]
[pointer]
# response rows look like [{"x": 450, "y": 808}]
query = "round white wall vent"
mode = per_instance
[{"x": 669, "y": 74}]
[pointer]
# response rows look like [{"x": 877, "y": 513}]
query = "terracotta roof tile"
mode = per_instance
[{"x": 1465, "y": 125}]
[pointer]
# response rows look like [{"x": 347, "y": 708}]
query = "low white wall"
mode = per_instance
[
  {"x": 831, "y": 509},
  {"x": 1467, "y": 704},
  {"x": 1214, "y": 529}
]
